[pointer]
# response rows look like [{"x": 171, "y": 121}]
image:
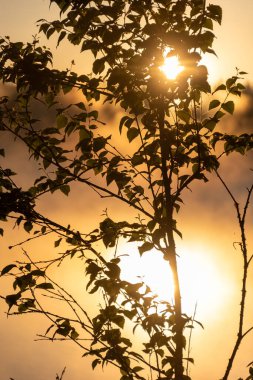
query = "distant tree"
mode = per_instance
[{"x": 172, "y": 128}]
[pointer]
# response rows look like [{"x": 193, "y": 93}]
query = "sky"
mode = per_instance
[
  {"x": 25, "y": 359},
  {"x": 233, "y": 45}
]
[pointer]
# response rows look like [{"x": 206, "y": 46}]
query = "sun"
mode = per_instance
[
  {"x": 151, "y": 268},
  {"x": 201, "y": 282},
  {"x": 171, "y": 67}
]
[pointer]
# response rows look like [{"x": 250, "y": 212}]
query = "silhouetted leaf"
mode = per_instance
[
  {"x": 45, "y": 286},
  {"x": 61, "y": 121},
  {"x": 132, "y": 133},
  {"x": 57, "y": 242},
  {"x": 147, "y": 246},
  {"x": 28, "y": 226},
  {"x": 229, "y": 106},
  {"x": 214, "y": 103},
  {"x": 65, "y": 189},
  {"x": 12, "y": 299},
  {"x": 8, "y": 268}
]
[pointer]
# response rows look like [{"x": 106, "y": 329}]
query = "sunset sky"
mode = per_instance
[
  {"x": 214, "y": 277},
  {"x": 233, "y": 44}
]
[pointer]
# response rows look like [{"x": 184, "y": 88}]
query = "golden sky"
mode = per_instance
[
  {"x": 233, "y": 44},
  {"x": 214, "y": 273}
]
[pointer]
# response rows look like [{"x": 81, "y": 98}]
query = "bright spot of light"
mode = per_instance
[
  {"x": 201, "y": 282},
  {"x": 152, "y": 269},
  {"x": 171, "y": 67}
]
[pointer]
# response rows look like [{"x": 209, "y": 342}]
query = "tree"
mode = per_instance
[{"x": 172, "y": 130}]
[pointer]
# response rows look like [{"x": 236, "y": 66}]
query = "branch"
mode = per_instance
[
  {"x": 244, "y": 250},
  {"x": 78, "y": 178}
]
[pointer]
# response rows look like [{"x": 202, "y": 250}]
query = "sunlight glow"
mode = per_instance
[
  {"x": 171, "y": 67},
  {"x": 152, "y": 269},
  {"x": 201, "y": 282}
]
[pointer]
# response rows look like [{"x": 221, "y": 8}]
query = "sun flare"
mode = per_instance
[{"x": 171, "y": 67}]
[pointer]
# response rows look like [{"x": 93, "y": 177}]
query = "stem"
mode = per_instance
[
  {"x": 240, "y": 334},
  {"x": 149, "y": 179},
  {"x": 243, "y": 244},
  {"x": 170, "y": 251},
  {"x": 190, "y": 340}
]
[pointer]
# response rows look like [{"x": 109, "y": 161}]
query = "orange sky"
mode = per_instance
[
  {"x": 233, "y": 44},
  {"x": 24, "y": 359}
]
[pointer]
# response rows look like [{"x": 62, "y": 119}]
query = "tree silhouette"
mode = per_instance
[{"x": 172, "y": 139}]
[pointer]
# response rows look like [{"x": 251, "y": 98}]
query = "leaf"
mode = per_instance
[
  {"x": 23, "y": 307},
  {"x": 137, "y": 369},
  {"x": 137, "y": 160},
  {"x": 98, "y": 66},
  {"x": 46, "y": 163},
  {"x": 178, "y": 232},
  {"x": 61, "y": 121},
  {"x": 65, "y": 189},
  {"x": 12, "y": 299},
  {"x": 132, "y": 133},
  {"x": 84, "y": 134},
  {"x": 184, "y": 115},
  {"x": 74, "y": 334},
  {"x": 147, "y": 246},
  {"x": 215, "y": 12},
  {"x": 229, "y": 107},
  {"x": 67, "y": 88},
  {"x": 48, "y": 329},
  {"x": 151, "y": 225},
  {"x": 208, "y": 24},
  {"x": 119, "y": 320},
  {"x": 114, "y": 271},
  {"x": 81, "y": 105},
  {"x": 50, "y": 32},
  {"x": 213, "y": 104},
  {"x": 230, "y": 82},
  {"x": 160, "y": 352},
  {"x": 43, "y": 229},
  {"x": 93, "y": 115},
  {"x": 45, "y": 286},
  {"x": 61, "y": 37},
  {"x": 64, "y": 329},
  {"x": 7, "y": 269},
  {"x": 221, "y": 87},
  {"x": 199, "y": 323},
  {"x": 99, "y": 143},
  {"x": 157, "y": 235},
  {"x": 37, "y": 272},
  {"x": 95, "y": 363},
  {"x": 218, "y": 115},
  {"x": 28, "y": 226},
  {"x": 57, "y": 242},
  {"x": 191, "y": 360},
  {"x": 123, "y": 121},
  {"x": 210, "y": 125},
  {"x": 195, "y": 168}
]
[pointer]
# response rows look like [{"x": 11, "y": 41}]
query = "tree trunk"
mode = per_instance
[{"x": 170, "y": 252}]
